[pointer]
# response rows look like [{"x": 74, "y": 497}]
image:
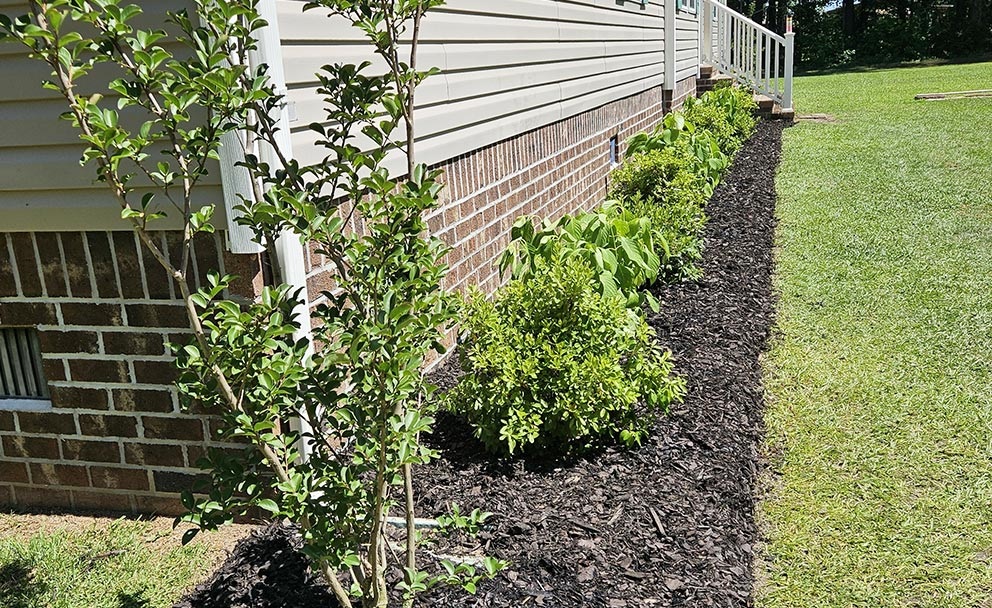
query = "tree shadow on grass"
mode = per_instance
[
  {"x": 18, "y": 586},
  {"x": 875, "y": 67},
  {"x": 132, "y": 600}
]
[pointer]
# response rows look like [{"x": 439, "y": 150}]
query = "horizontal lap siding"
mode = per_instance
[
  {"x": 42, "y": 185},
  {"x": 686, "y": 45},
  {"x": 507, "y": 67}
]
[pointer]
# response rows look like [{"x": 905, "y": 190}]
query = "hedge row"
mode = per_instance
[{"x": 561, "y": 359}]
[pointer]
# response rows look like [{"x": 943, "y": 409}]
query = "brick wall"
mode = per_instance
[
  {"x": 550, "y": 171},
  {"x": 114, "y": 436},
  {"x": 684, "y": 88}
]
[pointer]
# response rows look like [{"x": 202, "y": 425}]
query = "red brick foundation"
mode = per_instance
[
  {"x": 550, "y": 171},
  {"x": 115, "y": 437},
  {"x": 683, "y": 89}
]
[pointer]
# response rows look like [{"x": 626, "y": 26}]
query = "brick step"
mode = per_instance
[
  {"x": 708, "y": 84},
  {"x": 775, "y": 112}
]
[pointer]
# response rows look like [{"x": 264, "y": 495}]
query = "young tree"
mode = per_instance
[{"x": 361, "y": 394}]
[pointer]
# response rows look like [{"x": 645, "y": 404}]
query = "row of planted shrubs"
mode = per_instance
[{"x": 561, "y": 359}]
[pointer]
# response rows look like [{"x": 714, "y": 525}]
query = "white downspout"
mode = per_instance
[
  {"x": 289, "y": 254},
  {"x": 670, "y": 43}
]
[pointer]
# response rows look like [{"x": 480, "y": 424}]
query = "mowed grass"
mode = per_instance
[
  {"x": 880, "y": 378},
  {"x": 82, "y": 562}
]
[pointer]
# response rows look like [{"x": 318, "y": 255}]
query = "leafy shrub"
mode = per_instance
[
  {"x": 679, "y": 225},
  {"x": 618, "y": 245},
  {"x": 727, "y": 112},
  {"x": 553, "y": 365},
  {"x": 712, "y": 118},
  {"x": 660, "y": 186},
  {"x": 665, "y": 176},
  {"x": 710, "y": 162}
]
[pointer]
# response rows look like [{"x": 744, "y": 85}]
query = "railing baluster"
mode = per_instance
[
  {"x": 726, "y": 42},
  {"x": 768, "y": 64},
  {"x": 789, "y": 46},
  {"x": 753, "y": 35},
  {"x": 749, "y": 52},
  {"x": 740, "y": 45},
  {"x": 778, "y": 81}
]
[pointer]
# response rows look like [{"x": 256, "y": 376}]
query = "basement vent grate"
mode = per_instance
[{"x": 21, "y": 376}]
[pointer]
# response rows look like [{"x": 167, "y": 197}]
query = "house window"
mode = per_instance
[
  {"x": 688, "y": 6},
  {"x": 22, "y": 381}
]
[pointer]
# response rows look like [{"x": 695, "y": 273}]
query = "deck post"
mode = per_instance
[{"x": 789, "y": 49}]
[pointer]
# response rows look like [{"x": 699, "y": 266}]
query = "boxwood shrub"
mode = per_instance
[
  {"x": 727, "y": 113},
  {"x": 553, "y": 366},
  {"x": 662, "y": 175}
]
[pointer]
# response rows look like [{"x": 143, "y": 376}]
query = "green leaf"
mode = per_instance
[{"x": 269, "y": 505}]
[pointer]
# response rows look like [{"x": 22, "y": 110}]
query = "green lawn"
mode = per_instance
[
  {"x": 880, "y": 379},
  {"x": 81, "y": 562}
]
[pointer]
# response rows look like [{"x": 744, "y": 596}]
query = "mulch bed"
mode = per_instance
[{"x": 668, "y": 524}]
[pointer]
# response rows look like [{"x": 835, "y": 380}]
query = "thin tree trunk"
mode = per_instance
[{"x": 848, "y": 20}]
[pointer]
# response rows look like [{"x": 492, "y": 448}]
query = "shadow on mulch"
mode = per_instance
[{"x": 668, "y": 524}]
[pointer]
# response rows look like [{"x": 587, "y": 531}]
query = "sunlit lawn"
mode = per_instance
[
  {"x": 880, "y": 381},
  {"x": 82, "y": 562}
]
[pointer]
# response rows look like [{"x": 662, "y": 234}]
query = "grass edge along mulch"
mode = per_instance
[
  {"x": 879, "y": 377},
  {"x": 668, "y": 524}
]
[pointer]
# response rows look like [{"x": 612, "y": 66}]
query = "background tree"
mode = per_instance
[{"x": 842, "y": 32}]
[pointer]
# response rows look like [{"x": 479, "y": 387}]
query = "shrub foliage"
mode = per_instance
[
  {"x": 670, "y": 172},
  {"x": 678, "y": 225},
  {"x": 617, "y": 244},
  {"x": 553, "y": 365}
]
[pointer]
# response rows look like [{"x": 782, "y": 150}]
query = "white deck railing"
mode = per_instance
[{"x": 752, "y": 54}]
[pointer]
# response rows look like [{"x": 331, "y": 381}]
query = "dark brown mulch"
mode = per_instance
[
  {"x": 265, "y": 570},
  {"x": 668, "y": 524}
]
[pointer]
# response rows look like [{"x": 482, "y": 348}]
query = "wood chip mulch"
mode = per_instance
[{"x": 668, "y": 524}]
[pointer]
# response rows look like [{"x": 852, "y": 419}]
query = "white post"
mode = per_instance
[
  {"x": 706, "y": 43},
  {"x": 789, "y": 46},
  {"x": 669, "y": 45},
  {"x": 290, "y": 254}
]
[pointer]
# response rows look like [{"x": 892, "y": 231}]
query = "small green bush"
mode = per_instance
[
  {"x": 679, "y": 226},
  {"x": 712, "y": 118},
  {"x": 727, "y": 112},
  {"x": 618, "y": 245},
  {"x": 665, "y": 176},
  {"x": 674, "y": 130},
  {"x": 554, "y": 366}
]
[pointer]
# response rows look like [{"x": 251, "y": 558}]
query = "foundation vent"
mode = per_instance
[{"x": 21, "y": 376}]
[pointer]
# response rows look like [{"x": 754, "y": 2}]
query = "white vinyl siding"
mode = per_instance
[
  {"x": 507, "y": 66},
  {"x": 686, "y": 44},
  {"x": 42, "y": 185}
]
